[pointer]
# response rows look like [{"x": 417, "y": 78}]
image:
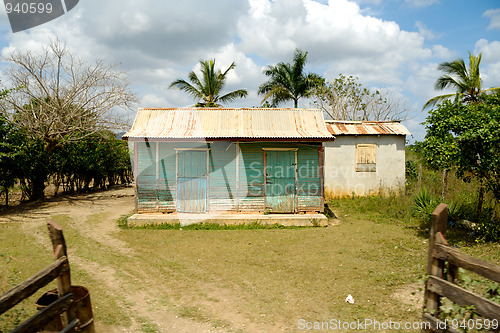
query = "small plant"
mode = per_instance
[
  {"x": 215, "y": 226},
  {"x": 315, "y": 223},
  {"x": 123, "y": 221},
  {"x": 411, "y": 170},
  {"x": 424, "y": 205},
  {"x": 461, "y": 314},
  {"x": 488, "y": 231}
]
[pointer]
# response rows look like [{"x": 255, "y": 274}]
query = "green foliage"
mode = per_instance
[
  {"x": 93, "y": 162},
  {"x": 466, "y": 81},
  {"x": 213, "y": 226},
  {"x": 411, "y": 170},
  {"x": 207, "y": 90},
  {"x": 16, "y": 315},
  {"x": 289, "y": 82},
  {"x": 33, "y": 168},
  {"x": 465, "y": 136},
  {"x": 488, "y": 230},
  {"x": 424, "y": 205},
  {"x": 9, "y": 156},
  {"x": 461, "y": 314},
  {"x": 122, "y": 221}
]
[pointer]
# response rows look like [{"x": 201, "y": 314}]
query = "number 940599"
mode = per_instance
[{"x": 29, "y": 7}]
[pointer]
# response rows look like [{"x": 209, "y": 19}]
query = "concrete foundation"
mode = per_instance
[{"x": 187, "y": 219}]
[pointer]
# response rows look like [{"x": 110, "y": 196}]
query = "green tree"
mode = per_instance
[
  {"x": 346, "y": 99},
  {"x": 289, "y": 82},
  {"x": 91, "y": 163},
  {"x": 59, "y": 97},
  {"x": 207, "y": 90},
  {"x": 465, "y": 136},
  {"x": 10, "y": 156},
  {"x": 466, "y": 81}
]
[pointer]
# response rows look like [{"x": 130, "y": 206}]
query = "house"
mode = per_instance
[
  {"x": 199, "y": 160},
  {"x": 367, "y": 157}
]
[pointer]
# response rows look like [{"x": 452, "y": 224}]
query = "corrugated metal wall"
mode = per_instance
[{"x": 156, "y": 167}]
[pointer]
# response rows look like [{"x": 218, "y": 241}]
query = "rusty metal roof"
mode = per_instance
[
  {"x": 339, "y": 127},
  {"x": 234, "y": 123}
]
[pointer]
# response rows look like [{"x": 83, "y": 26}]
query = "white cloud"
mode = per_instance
[
  {"x": 490, "y": 62},
  {"x": 426, "y": 32},
  {"x": 157, "y": 42},
  {"x": 420, "y": 3},
  {"x": 494, "y": 16},
  {"x": 336, "y": 34},
  {"x": 442, "y": 52}
]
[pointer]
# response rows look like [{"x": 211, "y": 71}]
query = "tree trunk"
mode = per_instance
[
  {"x": 6, "y": 197},
  {"x": 37, "y": 192},
  {"x": 419, "y": 176},
  {"x": 480, "y": 201},
  {"x": 444, "y": 189},
  {"x": 296, "y": 103}
]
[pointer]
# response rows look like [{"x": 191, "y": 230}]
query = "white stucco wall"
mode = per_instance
[{"x": 341, "y": 177}]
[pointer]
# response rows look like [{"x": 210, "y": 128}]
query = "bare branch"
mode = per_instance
[
  {"x": 346, "y": 99},
  {"x": 60, "y": 96}
]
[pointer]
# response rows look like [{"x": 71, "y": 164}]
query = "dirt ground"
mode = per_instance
[
  {"x": 114, "y": 203},
  {"x": 142, "y": 302}
]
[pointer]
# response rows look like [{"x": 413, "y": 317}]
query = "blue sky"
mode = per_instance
[{"x": 393, "y": 45}]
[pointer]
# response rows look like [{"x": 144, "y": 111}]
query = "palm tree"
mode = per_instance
[
  {"x": 467, "y": 81},
  {"x": 207, "y": 90},
  {"x": 289, "y": 82}
]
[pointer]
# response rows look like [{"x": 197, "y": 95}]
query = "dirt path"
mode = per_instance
[{"x": 110, "y": 204}]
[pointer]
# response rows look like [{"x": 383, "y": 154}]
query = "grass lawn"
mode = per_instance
[{"x": 235, "y": 280}]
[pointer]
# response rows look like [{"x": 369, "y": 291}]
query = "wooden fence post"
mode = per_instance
[
  {"x": 64, "y": 279},
  {"x": 439, "y": 220}
]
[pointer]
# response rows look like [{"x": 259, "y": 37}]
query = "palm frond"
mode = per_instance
[
  {"x": 188, "y": 88},
  {"x": 229, "y": 97},
  {"x": 435, "y": 100},
  {"x": 207, "y": 88}
]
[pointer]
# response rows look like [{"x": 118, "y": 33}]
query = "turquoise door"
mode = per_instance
[
  {"x": 192, "y": 181},
  {"x": 280, "y": 181}
]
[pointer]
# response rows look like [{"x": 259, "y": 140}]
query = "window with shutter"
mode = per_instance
[{"x": 365, "y": 157}]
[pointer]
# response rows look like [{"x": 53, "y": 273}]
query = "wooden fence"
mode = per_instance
[
  {"x": 443, "y": 262},
  {"x": 73, "y": 318}
]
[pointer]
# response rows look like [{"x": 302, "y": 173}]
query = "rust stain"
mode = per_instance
[
  {"x": 366, "y": 128},
  {"x": 230, "y": 123},
  {"x": 361, "y": 129}
]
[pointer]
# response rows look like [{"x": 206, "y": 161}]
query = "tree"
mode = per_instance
[
  {"x": 9, "y": 152},
  {"x": 60, "y": 97},
  {"x": 346, "y": 99},
  {"x": 206, "y": 91},
  {"x": 466, "y": 81},
  {"x": 465, "y": 136},
  {"x": 9, "y": 156},
  {"x": 289, "y": 82}
]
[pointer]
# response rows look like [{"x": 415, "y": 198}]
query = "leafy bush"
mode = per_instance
[
  {"x": 461, "y": 314},
  {"x": 488, "y": 231},
  {"x": 424, "y": 205},
  {"x": 411, "y": 170}
]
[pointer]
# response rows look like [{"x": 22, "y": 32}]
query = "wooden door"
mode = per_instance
[
  {"x": 192, "y": 181},
  {"x": 280, "y": 181}
]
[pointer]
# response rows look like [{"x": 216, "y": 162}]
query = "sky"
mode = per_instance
[{"x": 393, "y": 45}]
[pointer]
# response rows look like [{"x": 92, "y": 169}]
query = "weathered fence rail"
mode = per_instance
[
  {"x": 445, "y": 259},
  {"x": 64, "y": 308}
]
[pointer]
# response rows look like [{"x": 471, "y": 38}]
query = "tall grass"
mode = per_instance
[{"x": 415, "y": 204}]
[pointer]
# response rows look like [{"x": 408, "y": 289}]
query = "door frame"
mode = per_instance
[
  {"x": 207, "y": 150},
  {"x": 295, "y": 203}
]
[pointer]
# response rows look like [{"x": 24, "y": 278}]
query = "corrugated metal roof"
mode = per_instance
[
  {"x": 218, "y": 123},
  {"x": 338, "y": 127}
]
